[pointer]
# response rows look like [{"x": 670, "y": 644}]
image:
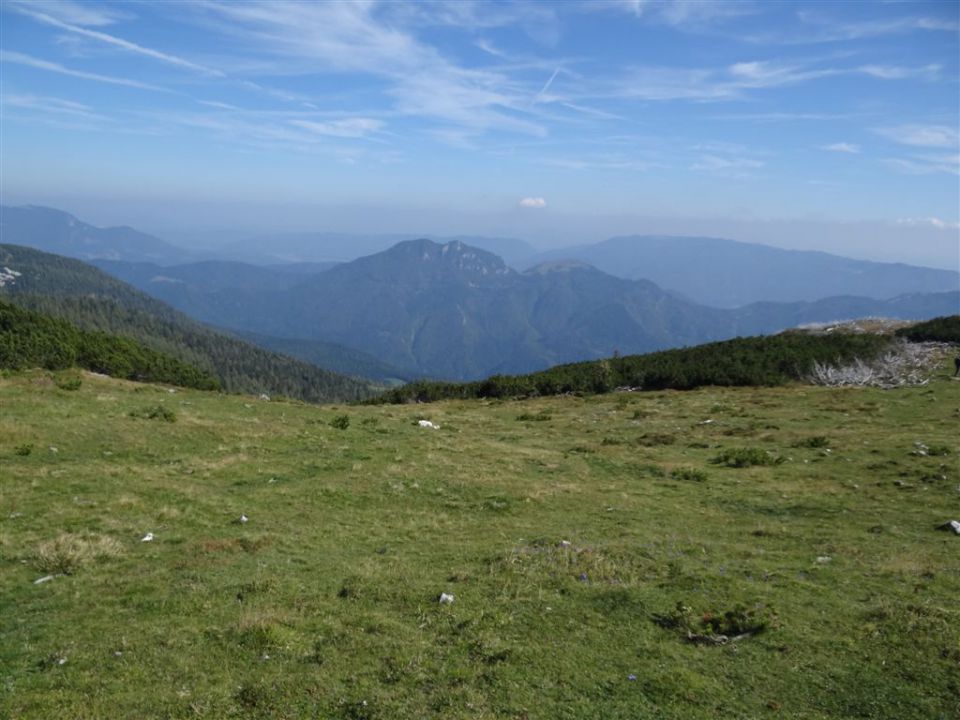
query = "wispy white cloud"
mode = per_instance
[
  {"x": 682, "y": 14},
  {"x": 538, "y": 20},
  {"x": 600, "y": 162},
  {"x": 781, "y": 116},
  {"x": 52, "y": 106},
  {"x": 85, "y": 14},
  {"x": 926, "y": 164},
  {"x": 346, "y": 128},
  {"x": 932, "y": 136},
  {"x": 738, "y": 80},
  {"x": 729, "y": 166},
  {"x": 333, "y": 37},
  {"x": 218, "y": 105},
  {"x": 842, "y": 147},
  {"x": 50, "y": 66},
  {"x": 825, "y": 28},
  {"x": 546, "y": 85},
  {"x": 532, "y": 202},
  {"x": 114, "y": 41},
  {"x": 930, "y": 222},
  {"x": 897, "y": 72}
]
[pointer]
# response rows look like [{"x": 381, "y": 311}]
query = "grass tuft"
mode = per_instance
[{"x": 67, "y": 553}]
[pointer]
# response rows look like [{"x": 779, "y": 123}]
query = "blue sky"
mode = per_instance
[{"x": 828, "y": 125}]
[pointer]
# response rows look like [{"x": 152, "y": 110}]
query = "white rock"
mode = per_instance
[
  {"x": 446, "y": 599},
  {"x": 244, "y": 518},
  {"x": 565, "y": 543},
  {"x": 265, "y": 397},
  {"x": 428, "y": 424},
  {"x": 953, "y": 525},
  {"x": 824, "y": 559},
  {"x": 147, "y": 538},
  {"x": 41, "y": 581}
]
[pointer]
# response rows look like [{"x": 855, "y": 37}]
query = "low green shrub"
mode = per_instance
[
  {"x": 746, "y": 457},
  {"x": 691, "y": 474},
  {"x": 813, "y": 442},
  {"x": 155, "y": 412}
]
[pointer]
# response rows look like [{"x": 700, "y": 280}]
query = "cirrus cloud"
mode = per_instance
[{"x": 533, "y": 202}]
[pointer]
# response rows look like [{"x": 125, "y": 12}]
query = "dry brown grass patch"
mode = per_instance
[{"x": 67, "y": 553}]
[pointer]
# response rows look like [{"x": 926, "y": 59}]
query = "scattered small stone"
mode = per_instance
[
  {"x": 446, "y": 599},
  {"x": 427, "y": 424},
  {"x": 264, "y": 397},
  {"x": 147, "y": 538},
  {"x": 953, "y": 525},
  {"x": 824, "y": 559},
  {"x": 45, "y": 578},
  {"x": 631, "y": 677},
  {"x": 244, "y": 519},
  {"x": 15, "y": 515},
  {"x": 171, "y": 390},
  {"x": 705, "y": 422},
  {"x": 565, "y": 543},
  {"x": 264, "y": 657},
  {"x": 118, "y": 653},
  {"x": 61, "y": 661},
  {"x": 54, "y": 450}
]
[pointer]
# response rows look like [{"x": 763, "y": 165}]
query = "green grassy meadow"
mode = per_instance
[{"x": 568, "y": 529}]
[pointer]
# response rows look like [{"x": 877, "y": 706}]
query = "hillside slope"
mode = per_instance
[
  {"x": 33, "y": 340},
  {"x": 72, "y": 290},
  {"x": 595, "y": 549}
]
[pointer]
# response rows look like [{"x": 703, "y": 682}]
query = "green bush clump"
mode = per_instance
[
  {"x": 753, "y": 361},
  {"x": 813, "y": 442},
  {"x": 940, "y": 329},
  {"x": 156, "y": 412},
  {"x": 746, "y": 457},
  {"x": 691, "y": 474},
  {"x": 716, "y": 626},
  {"x": 23, "y": 450},
  {"x": 530, "y": 417},
  {"x": 67, "y": 381},
  {"x": 340, "y": 422}
]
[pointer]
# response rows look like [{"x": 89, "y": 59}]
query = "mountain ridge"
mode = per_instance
[{"x": 730, "y": 273}]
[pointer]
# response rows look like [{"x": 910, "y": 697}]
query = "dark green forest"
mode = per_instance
[
  {"x": 940, "y": 329},
  {"x": 765, "y": 361},
  {"x": 30, "y": 339},
  {"x": 92, "y": 300}
]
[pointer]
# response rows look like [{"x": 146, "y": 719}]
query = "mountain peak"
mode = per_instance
[{"x": 454, "y": 255}]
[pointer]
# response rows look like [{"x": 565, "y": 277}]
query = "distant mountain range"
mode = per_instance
[
  {"x": 707, "y": 271},
  {"x": 726, "y": 273},
  {"x": 457, "y": 312},
  {"x": 58, "y": 232},
  {"x": 454, "y": 311}
]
